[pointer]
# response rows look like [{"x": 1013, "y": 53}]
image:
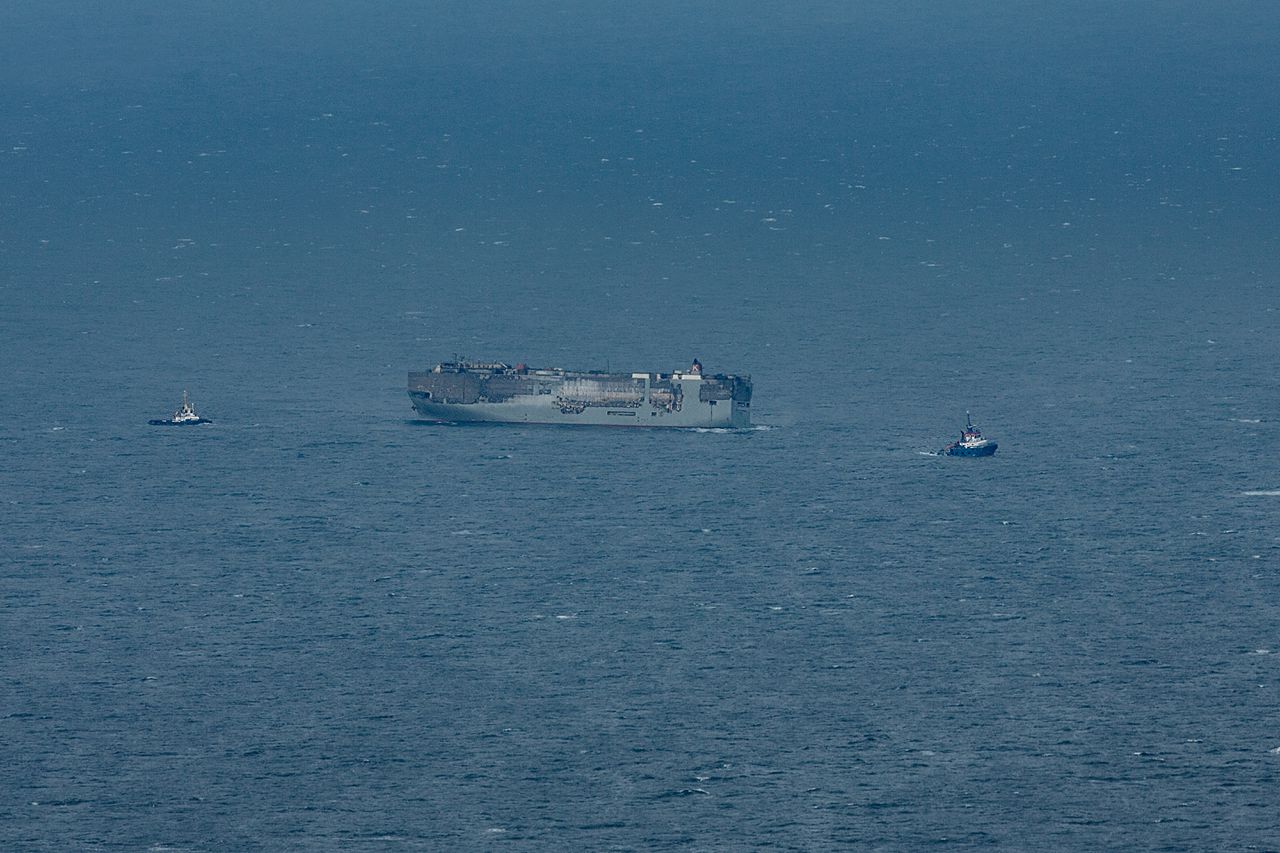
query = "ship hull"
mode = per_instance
[
  {"x": 508, "y": 396},
  {"x": 987, "y": 449},
  {"x": 517, "y": 412}
]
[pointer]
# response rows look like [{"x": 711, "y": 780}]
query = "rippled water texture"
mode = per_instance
[{"x": 317, "y": 624}]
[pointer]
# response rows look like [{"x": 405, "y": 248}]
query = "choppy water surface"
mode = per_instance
[{"x": 319, "y": 624}]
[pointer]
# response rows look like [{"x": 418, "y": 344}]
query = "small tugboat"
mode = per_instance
[
  {"x": 971, "y": 442},
  {"x": 185, "y": 416}
]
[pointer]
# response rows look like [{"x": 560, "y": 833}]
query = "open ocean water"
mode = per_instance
[{"x": 320, "y": 625}]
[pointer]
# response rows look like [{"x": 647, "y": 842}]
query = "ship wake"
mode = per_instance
[{"x": 728, "y": 431}]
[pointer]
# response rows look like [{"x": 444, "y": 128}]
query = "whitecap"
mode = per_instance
[{"x": 1262, "y": 493}]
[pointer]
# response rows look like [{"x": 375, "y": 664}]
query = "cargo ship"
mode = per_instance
[{"x": 477, "y": 392}]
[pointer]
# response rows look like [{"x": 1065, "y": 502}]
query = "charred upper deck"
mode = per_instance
[{"x": 467, "y": 383}]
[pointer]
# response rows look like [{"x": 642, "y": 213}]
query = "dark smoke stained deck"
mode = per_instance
[{"x": 500, "y": 393}]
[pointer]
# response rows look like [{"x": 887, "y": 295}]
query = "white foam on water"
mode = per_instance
[
  {"x": 1262, "y": 493},
  {"x": 726, "y": 431}
]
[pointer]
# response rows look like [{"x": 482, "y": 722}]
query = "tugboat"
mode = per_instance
[
  {"x": 971, "y": 442},
  {"x": 185, "y": 416}
]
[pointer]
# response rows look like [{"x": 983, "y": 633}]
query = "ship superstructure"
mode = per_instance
[
  {"x": 495, "y": 392},
  {"x": 185, "y": 416}
]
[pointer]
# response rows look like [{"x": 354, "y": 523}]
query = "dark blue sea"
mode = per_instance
[{"x": 318, "y": 624}]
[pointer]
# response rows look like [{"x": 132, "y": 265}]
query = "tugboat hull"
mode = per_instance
[{"x": 987, "y": 449}]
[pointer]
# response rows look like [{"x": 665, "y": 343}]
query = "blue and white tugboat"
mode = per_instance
[
  {"x": 971, "y": 442},
  {"x": 185, "y": 416}
]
